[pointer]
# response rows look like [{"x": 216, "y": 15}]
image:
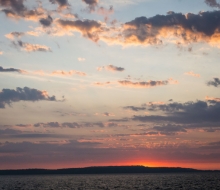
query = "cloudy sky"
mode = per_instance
[{"x": 109, "y": 82}]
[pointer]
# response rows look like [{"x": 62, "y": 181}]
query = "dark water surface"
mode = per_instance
[{"x": 117, "y": 181}]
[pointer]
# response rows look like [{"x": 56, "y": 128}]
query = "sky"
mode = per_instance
[{"x": 109, "y": 83}]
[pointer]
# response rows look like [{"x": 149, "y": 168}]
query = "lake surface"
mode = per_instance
[{"x": 114, "y": 181}]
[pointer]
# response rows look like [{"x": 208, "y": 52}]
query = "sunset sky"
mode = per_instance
[{"x": 109, "y": 82}]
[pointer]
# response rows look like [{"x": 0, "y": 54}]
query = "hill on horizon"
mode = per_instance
[{"x": 102, "y": 170}]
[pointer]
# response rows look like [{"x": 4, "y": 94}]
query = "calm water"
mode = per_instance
[{"x": 126, "y": 182}]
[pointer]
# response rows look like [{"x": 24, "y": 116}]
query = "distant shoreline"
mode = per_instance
[{"x": 103, "y": 170}]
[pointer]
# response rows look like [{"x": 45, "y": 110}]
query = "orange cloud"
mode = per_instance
[
  {"x": 172, "y": 28},
  {"x": 68, "y": 73},
  {"x": 81, "y": 59},
  {"x": 102, "y": 83},
  {"x": 32, "y": 47},
  {"x": 88, "y": 28},
  {"x": 212, "y": 99},
  {"x": 154, "y": 103},
  {"x": 13, "y": 35},
  {"x": 191, "y": 73}
]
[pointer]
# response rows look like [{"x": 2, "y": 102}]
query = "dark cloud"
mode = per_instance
[
  {"x": 37, "y": 136},
  {"x": 10, "y": 70},
  {"x": 143, "y": 84},
  {"x": 57, "y": 125},
  {"x": 9, "y": 133},
  {"x": 169, "y": 129},
  {"x": 114, "y": 68},
  {"x": 215, "y": 82},
  {"x": 134, "y": 108},
  {"x": 190, "y": 27},
  {"x": 7, "y": 96},
  {"x": 46, "y": 21},
  {"x": 111, "y": 124},
  {"x": 119, "y": 120},
  {"x": 189, "y": 112},
  {"x": 212, "y": 3},
  {"x": 93, "y": 7},
  {"x": 71, "y": 125},
  {"x": 180, "y": 107},
  {"x": 107, "y": 114},
  {"x": 61, "y": 3},
  {"x": 89, "y": 28},
  {"x": 49, "y": 124},
  {"x": 4, "y": 132},
  {"x": 95, "y": 124},
  {"x": 90, "y": 2},
  {"x": 15, "y": 5}
]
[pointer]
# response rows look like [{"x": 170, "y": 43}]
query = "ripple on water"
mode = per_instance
[{"x": 111, "y": 182}]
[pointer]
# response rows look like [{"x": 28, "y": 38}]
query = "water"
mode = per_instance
[{"x": 108, "y": 182}]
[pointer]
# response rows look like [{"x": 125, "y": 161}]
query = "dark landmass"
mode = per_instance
[{"x": 103, "y": 170}]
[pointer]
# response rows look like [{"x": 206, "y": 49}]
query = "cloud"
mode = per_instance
[
  {"x": 14, "y": 35},
  {"x": 32, "y": 47},
  {"x": 89, "y": 28},
  {"x": 68, "y": 73},
  {"x": 134, "y": 108},
  {"x": 18, "y": 134},
  {"x": 18, "y": 35},
  {"x": 215, "y": 82},
  {"x": 102, "y": 83},
  {"x": 120, "y": 120},
  {"x": 11, "y": 70},
  {"x": 7, "y": 131},
  {"x": 211, "y": 99},
  {"x": 191, "y": 73},
  {"x": 7, "y": 96},
  {"x": 53, "y": 73},
  {"x": 148, "y": 84},
  {"x": 212, "y": 3},
  {"x": 176, "y": 27},
  {"x": 169, "y": 129},
  {"x": 73, "y": 125},
  {"x": 57, "y": 125},
  {"x": 104, "y": 11},
  {"x": 175, "y": 106},
  {"x": 95, "y": 124},
  {"x": 153, "y": 103},
  {"x": 61, "y": 3},
  {"x": 90, "y": 2},
  {"x": 81, "y": 59},
  {"x": 46, "y": 21},
  {"x": 16, "y": 6},
  {"x": 111, "y": 68},
  {"x": 16, "y": 9},
  {"x": 184, "y": 113},
  {"x": 108, "y": 114},
  {"x": 1, "y": 52}
]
